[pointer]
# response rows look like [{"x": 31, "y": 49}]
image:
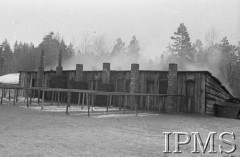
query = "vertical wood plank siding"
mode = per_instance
[{"x": 205, "y": 88}]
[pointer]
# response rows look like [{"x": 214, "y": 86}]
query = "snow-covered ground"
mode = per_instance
[{"x": 10, "y": 78}]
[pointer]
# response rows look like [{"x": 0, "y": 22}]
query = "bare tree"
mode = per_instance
[{"x": 211, "y": 37}]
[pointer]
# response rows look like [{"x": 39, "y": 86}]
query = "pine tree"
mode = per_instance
[
  {"x": 133, "y": 49},
  {"x": 181, "y": 43},
  {"x": 51, "y": 44},
  {"x": 118, "y": 47},
  {"x": 225, "y": 46},
  {"x": 7, "y": 54}
]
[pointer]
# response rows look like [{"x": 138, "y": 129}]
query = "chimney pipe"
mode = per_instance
[
  {"x": 79, "y": 72},
  {"x": 59, "y": 68},
  {"x": 106, "y": 73},
  {"x": 134, "y": 82},
  {"x": 42, "y": 59},
  {"x": 41, "y": 70},
  {"x": 60, "y": 58},
  {"x": 172, "y": 88}
]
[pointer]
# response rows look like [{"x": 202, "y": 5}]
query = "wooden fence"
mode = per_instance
[{"x": 86, "y": 95}]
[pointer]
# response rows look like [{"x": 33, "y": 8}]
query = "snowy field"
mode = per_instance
[{"x": 34, "y": 133}]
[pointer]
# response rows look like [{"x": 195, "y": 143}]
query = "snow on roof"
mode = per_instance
[{"x": 10, "y": 78}]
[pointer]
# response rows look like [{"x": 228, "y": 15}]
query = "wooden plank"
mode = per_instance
[
  {"x": 210, "y": 112},
  {"x": 42, "y": 100},
  {"x": 210, "y": 101},
  {"x": 2, "y": 96},
  {"x": 211, "y": 98},
  {"x": 125, "y": 104},
  {"x": 9, "y": 95},
  {"x": 196, "y": 105},
  {"x": 27, "y": 99},
  {"x": 79, "y": 96},
  {"x": 159, "y": 105},
  {"x": 87, "y": 101},
  {"x": 68, "y": 102},
  {"x": 38, "y": 96},
  {"x": 92, "y": 100},
  {"x": 17, "y": 95},
  {"x": 107, "y": 103},
  {"x": 217, "y": 97},
  {"x": 214, "y": 92},
  {"x": 52, "y": 97},
  {"x": 83, "y": 99},
  {"x": 58, "y": 98},
  {"x": 203, "y": 94},
  {"x": 215, "y": 86},
  {"x": 136, "y": 107},
  {"x": 148, "y": 99},
  {"x": 14, "y": 98},
  {"x": 210, "y": 106},
  {"x": 120, "y": 100}
]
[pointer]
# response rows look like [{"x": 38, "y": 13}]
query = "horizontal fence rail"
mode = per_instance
[{"x": 86, "y": 95}]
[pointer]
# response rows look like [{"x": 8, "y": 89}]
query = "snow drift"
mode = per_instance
[{"x": 10, "y": 78}]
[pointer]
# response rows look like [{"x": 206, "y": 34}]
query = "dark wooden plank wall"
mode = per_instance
[
  {"x": 192, "y": 86},
  {"x": 215, "y": 92},
  {"x": 205, "y": 89}
]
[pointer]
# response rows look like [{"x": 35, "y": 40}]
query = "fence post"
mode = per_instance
[
  {"x": 38, "y": 96},
  {"x": 2, "y": 95},
  {"x": 159, "y": 104},
  {"x": 27, "y": 98},
  {"x": 125, "y": 104},
  {"x": 87, "y": 104},
  {"x": 148, "y": 99},
  {"x": 17, "y": 95},
  {"x": 14, "y": 98},
  {"x": 42, "y": 100},
  {"x": 52, "y": 98},
  {"x": 136, "y": 106},
  {"x": 79, "y": 96},
  {"x": 68, "y": 101},
  {"x": 31, "y": 96},
  {"x": 119, "y": 101},
  {"x": 107, "y": 102},
  {"x": 9, "y": 94},
  {"x": 58, "y": 98},
  {"x": 83, "y": 100}
]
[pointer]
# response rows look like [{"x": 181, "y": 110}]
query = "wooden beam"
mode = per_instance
[
  {"x": 27, "y": 99},
  {"x": 87, "y": 104},
  {"x": 52, "y": 98},
  {"x": 9, "y": 95},
  {"x": 2, "y": 96},
  {"x": 58, "y": 98},
  {"x": 83, "y": 100},
  {"x": 38, "y": 96},
  {"x": 107, "y": 103},
  {"x": 43, "y": 95},
  {"x": 79, "y": 96},
  {"x": 136, "y": 106},
  {"x": 15, "y": 92},
  {"x": 125, "y": 104},
  {"x": 68, "y": 101}
]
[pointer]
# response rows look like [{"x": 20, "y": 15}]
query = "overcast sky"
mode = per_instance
[{"x": 152, "y": 21}]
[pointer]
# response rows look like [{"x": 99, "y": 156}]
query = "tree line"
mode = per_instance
[{"x": 222, "y": 58}]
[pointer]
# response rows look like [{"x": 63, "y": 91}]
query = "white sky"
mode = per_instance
[{"x": 152, "y": 21}]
